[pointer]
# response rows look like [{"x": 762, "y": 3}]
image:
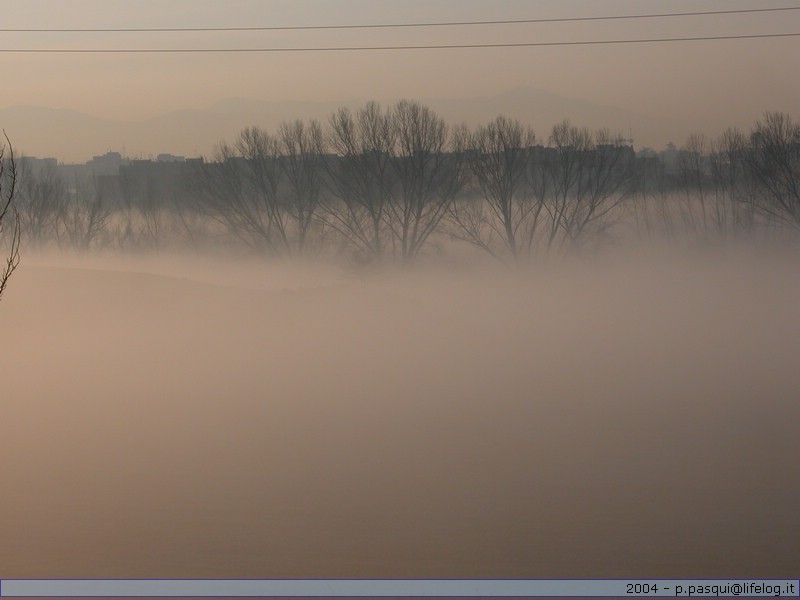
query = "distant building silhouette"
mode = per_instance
[{"x": 107, "y": 164}]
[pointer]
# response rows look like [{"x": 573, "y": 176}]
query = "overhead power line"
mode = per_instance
[
  {"x": 393, "y": 25},
  {"x": 377, "y": 48}
]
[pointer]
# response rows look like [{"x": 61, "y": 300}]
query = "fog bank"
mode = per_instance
[{"x": 616, "y": 418}]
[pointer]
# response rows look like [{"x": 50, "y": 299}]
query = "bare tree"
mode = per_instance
[
  {"x": 581, "y": 178},
  {"x": 732, "y": 209},
  {"x": 361, "y": 179},
  {"x": 607, "y": 182},
  {"x": 85, "y": 214},
  {"x": 427, "y": 165},
  {"x": 651, "y": 206},
  {"x": 394, "y": 176},
  {"x": 40, "y": 196},
  {"x": 239, "y": 189},
  {"x": 541, "y": 199},
  {"x": 497, "y": 161},
  {"x": 8, "y": 181},
  {"x": 301, "y": 160},
  {"x": 563, "y": 167},
  {"x": 692, "y": 177},
  {"x": 143, "y": 205},
  {"x": 260, "y": 151},
  {"x": 774, "y": 161}
]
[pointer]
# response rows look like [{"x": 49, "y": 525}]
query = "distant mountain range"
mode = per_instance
[{"x": 73, "y": 136}]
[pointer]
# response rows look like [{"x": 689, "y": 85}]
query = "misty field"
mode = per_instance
[{"x": 619, "y": 417}]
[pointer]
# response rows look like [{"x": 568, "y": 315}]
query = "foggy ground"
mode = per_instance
[{"x": 618, "y": 418}]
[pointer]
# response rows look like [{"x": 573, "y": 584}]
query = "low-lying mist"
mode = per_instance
[{"x": 619, "y": 417}]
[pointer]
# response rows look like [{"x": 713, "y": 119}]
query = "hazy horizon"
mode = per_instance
[
  {"x": 194, "y": 132},
  {"x": 700, "y": 85}
]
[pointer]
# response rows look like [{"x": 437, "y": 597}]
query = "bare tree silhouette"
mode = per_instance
[
  {"x": 587, "y": 176},
  {"x": 732, "y": 209},
  {"x": 301, "y": 149},
  {"x": 85, "y": 214},
  {"x": 497, "y": 162},
  {"x": 361, "y": 179},
  {"x": 774, "y": 160},
  {"x": 39, "y": 197},
  {"x": 427, "y": 164},
  {"x": 393, "y": 179},
  {"x": 239, "y": 189},
  {"x": 8, "y": 182},
  {"x": 266, "y": 189}
]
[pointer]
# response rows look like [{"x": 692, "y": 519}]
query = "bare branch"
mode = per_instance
[{"x": 8, "y": 182}]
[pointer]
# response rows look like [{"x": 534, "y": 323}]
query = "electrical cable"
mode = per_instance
[
  {"x": 393, "y": 25},
  {"x": 378, "y": 48}
]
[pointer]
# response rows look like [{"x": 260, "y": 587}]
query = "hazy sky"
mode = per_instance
[{"x": 734, "y": 81}]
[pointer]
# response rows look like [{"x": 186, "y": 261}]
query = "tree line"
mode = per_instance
[{"x": 388, "y": 183}]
